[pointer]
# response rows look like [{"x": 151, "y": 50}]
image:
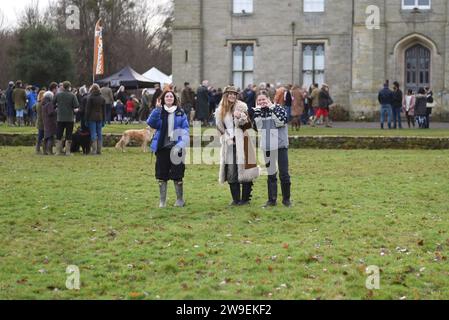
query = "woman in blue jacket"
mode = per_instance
[{"x": 169, "y": 144}]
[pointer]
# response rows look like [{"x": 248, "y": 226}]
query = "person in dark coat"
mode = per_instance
[
  {"x": 2, "y": 106},
  {"x": 96, "y": 118},
  {"x": 396, "y": 105},
  {"x": 49, "y": 117},
  {"x": 10, "y": 110},
  {"x": 188, "y": 101},
  {"x": 157, "y": 94},
  {"x": 430, "y": 105},
  {"x": 249, "y": 97},
  {"x": 67, "y": 106},
  {"x": 202, "y": 103},
  {"x": 325, "y": 101},
  {"x": 122, "y": 95},
  {"x": 421, "y": 108},
  {"x": 385, "y": 98}
]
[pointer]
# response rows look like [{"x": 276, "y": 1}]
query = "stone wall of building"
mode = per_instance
[{"x": 358, "y": 60}]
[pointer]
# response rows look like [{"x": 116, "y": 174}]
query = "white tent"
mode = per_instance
[{"x": 157, "y": 75}]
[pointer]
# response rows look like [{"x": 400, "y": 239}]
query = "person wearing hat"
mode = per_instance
[
  {"x": 325, "y": 101},
  {"x": 238, "y": 164},
  {"x": 67, "y": 104}
]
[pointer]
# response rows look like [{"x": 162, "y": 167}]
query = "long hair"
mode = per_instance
[
  {"x": 226, "y": 106},
  {"x": 40, "y": 96}
]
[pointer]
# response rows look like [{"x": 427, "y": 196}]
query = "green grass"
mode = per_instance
[
  {"x": 305, "y": 131},
  {"x": 115, "y": 128},
  {"x": 100, "y": 213}
]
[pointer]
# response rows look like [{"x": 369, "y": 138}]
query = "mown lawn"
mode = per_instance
[
  {"x": 305, "y": 131},
  {"x": 351, "y": 209}
]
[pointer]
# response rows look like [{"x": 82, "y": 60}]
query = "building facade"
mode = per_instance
[{"x": 352, "y": 45}]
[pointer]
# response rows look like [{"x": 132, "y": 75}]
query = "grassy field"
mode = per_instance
[
  {"x": 351, "y": 209},
  {"x": 305, "y": 131}
]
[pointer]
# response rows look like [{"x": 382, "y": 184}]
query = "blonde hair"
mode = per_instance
[
  {"x": 40, "y": 96},
  {"x": 226, "y": 106}
]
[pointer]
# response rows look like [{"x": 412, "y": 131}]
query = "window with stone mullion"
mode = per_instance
[
  {"x": 420, "y": 4},
  {"x": 313, "y": 64},
  {"x": 243, "y": 65}
]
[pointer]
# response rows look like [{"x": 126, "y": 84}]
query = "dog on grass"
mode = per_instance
[
  {"x": 81, "y": 139},
  {"x": 142, "y": 137}
]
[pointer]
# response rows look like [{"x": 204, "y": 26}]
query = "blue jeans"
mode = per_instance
[
  {"x": 386, "y": 108},
  {"x": 397, "y": 117},
  {"x": 96, "y": 130},
  {"x": 20, "y": 113},
  {"x": 40, "y": 135},
  {"x": 289, "y": 112}
]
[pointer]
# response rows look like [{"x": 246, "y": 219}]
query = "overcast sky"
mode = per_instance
[{"x": 11, "y": 9}]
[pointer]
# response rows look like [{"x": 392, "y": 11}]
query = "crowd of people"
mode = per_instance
[
  {"x": 304, "y": 106},
  {"x": 416, "y": 106}
]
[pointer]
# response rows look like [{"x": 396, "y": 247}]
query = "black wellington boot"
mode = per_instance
[
  {"x": 235, "y": 192},
  {"x": 246, "y": 193},
  {"x": 286, "y": 194}
]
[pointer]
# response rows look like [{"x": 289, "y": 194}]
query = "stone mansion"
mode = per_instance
[{"x": 352, "y": 45}]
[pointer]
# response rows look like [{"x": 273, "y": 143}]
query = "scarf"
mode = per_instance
[{"x": 168, "y": 124}]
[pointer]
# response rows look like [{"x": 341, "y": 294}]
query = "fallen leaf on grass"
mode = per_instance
[{"x": 136, "y": 295}]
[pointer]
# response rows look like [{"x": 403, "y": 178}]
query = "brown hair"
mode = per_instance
[{"x": 162, "y": 97}]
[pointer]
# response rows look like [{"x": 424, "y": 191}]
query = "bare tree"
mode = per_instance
[
  {"x": 31, "y": 16},
  {"x": 137, "y": 33}
]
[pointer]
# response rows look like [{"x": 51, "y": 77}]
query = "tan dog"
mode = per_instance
[{"x": 143, "y": 137}]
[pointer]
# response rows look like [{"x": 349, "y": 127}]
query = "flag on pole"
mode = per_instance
[{"x": 98, "y": 50}]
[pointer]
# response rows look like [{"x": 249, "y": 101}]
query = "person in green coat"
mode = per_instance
[
  {"x": 19, "y": 97},
  {"x": 67, "y": 105}
]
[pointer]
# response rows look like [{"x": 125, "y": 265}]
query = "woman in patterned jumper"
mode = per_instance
[{"x": 272, "y": 125}]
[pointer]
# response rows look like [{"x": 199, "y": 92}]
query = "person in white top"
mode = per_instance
[{"x": 408, "y": 106}]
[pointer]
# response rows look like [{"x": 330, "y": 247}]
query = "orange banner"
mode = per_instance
[{"x": 98, "y": 50}]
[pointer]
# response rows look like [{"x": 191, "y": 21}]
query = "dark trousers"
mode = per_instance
[
  {"x": 410, "y": 120},
  {"x": 166, "y": 169},
  {"x": 428, "y": 113},
  {"x": 108, "y": 113},
  {"x": 40, "y": 136},
  {"x": 67, "y": 127},
  {"x": 279, "y": 157}
]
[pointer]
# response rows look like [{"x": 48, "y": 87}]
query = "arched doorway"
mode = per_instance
[{"x": 417, "y": 67}]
